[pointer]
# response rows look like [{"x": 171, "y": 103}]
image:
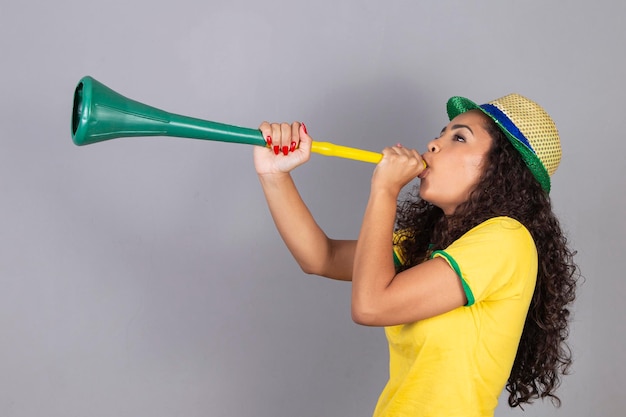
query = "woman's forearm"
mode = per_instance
[
  {"x": 374, "y": 269},
  {"x": 307, "y": 242}
]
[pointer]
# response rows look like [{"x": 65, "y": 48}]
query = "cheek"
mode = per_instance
[
  {"x": 473, "y": 168},
  {"x": 454, "y": 180}
]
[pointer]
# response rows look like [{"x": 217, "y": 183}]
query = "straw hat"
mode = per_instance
[{"x": 529, "y": 128}]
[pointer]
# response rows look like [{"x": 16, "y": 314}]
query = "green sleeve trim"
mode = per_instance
[
  {"x": 457, "y": 269},
  {"x": 396, "y": 260}
]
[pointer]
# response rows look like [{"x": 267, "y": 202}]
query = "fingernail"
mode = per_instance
[
  {"x": 268, "y": 140},
  {"x": 292, "y": 147},
  {"x": 304, "y": 127},
  {"x": 399, "y": 145},
  {"x": 276, "y": 149},
  {"x": 285, "y": 150}
]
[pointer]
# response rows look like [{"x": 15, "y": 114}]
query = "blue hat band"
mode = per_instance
[{"x": 504, "y": 120}]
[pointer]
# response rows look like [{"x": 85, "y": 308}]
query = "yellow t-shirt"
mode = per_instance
[{"x": 456, "y": 364}]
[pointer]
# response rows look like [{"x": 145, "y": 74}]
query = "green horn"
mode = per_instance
[{"x": 100, "y": 114}]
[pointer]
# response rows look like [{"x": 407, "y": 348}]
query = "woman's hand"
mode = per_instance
[
  {"x": 398, "y": 167},
  {"x": 288, "y": 147}
]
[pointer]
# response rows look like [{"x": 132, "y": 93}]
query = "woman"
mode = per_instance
[{"x": 471, "y": 278}]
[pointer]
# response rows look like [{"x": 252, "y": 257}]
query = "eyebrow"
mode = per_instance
[{"x": 458, "y": 126}]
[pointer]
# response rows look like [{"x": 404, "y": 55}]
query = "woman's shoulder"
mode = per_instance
[
  {"x": 501, "y": 222},
  {"x": 501, "y": 229}
]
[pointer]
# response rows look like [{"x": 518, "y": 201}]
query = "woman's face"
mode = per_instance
[{"x": 456, "y": 160}]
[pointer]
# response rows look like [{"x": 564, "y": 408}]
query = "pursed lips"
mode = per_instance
[{"x": 425, "y": 171}]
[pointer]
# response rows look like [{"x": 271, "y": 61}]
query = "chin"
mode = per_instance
[
  {"x": 423, "y": 193},
  {"x": 424, "y": 196},
  {"x": 430, "y": 198}
]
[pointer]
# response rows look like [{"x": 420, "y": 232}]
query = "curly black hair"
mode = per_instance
[{"x": 508, "y": 188}]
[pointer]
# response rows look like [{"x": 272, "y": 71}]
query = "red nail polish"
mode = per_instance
[
  {"x": 292, "y": 147},
  {"x": 276, "y": 149},
  {"x": 285, "y": 150},
  {"x": 268, "y": 140},
  {"x": 304, "y": 127}
]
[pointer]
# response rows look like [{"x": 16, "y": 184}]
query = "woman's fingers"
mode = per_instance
[
  {"x": 266, "y": 132},
  {"x": 282, "y": 138},
  {"x": 406, "y": 155},
  {"x": 285, "y": 130},
  {"x": 289, "y": 146},
  {"x": 295, "y": 136},
  {"x": 398, "y": 167}
]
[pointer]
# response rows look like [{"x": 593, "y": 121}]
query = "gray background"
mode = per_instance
[{"x": 144, "y": 277}]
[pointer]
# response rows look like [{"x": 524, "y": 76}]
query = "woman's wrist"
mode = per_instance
[
  {"x": 388, "y": 191},
  {"x": 274, "y": 178}
]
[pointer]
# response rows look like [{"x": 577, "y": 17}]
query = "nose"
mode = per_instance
[{"x": 433, "y": 146}]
